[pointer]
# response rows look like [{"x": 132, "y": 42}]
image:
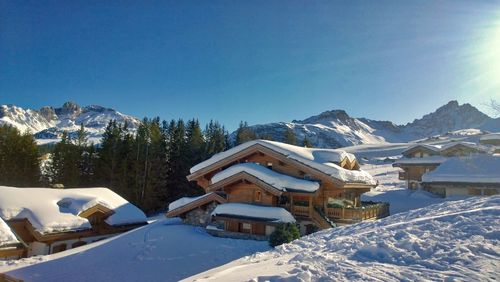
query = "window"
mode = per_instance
[
  {"x": 245, "y": 227},
  {"x": 270, "y": 229},
  {"x": 474, "y": 191},
  {"x": 258, "y": 196},
  {"x": 270, "y": 165},
  {"x": 307, "y": 177},
  {"x": 78, "y": 244},
  {"x": 58, "y": 248}
]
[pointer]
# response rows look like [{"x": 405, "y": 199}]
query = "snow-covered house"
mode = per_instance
[
  {"x": 52, "y": 220},
  {"x": 490, "y": 139},
  {"x": 475, "y": 175},
  {"x": 423, "y": 158},
  {"x": 10, "y": 246},
  {"x": 265, "y": 183}
]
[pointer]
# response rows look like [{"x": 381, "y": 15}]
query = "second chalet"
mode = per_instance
[{"x": 256, "y": 185}]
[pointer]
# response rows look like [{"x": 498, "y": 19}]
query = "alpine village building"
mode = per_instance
[
  {"x": 259, "y": 184},
  {"x": 40, "y": 221},
  {"x": 452, "y": 169}
]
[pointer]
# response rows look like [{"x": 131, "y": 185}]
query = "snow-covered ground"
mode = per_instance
[
  {"x": 165, "y": 250},
  {"x": 394, "y": 191},
  {"x": 451, "y": 241}
]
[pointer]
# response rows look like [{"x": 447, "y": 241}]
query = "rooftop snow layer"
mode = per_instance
[
  {"x": 492, "y": 136},
  {"x": 435, "y": 148},
  {"x": 56, "y": 210},
  {"x": 184, "y": 201},
  {"x": 478, "y": 168},
  {"x": 423, "y": 160},
  {"x": 272, "y": 214},
  {"x": 324, "y": 160},
  {"x": 6, "y": 235},
  {"x": 279, "y": 181}
]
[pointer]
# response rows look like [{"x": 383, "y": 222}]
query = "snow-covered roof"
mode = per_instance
[
  {"x": 7, "y": 237},
  {"x": 471, "y": 145},
  {"x": 423, "y": 160},
  {"x": 277, "y": 180},
  {"x": 434, "y": 148},
  {"x": 491, "y": 136},
  {"x": 323, "y": 160},
  {"x": 57, "y": 210},
  {"x": 184, "y": 201},
  {"x": 270, "y": 214},
  {"x": 478, "y": 168}
]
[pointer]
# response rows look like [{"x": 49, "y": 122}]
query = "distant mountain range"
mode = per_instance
[
  {"x": 48, "y": 123},
  {"x": 333, "y": 129},
  {"x": 330, "y": 129}
]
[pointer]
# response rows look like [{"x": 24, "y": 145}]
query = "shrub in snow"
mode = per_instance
[{"x": 284, "y": 233}]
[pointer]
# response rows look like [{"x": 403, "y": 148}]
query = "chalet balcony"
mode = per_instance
[{"x": 368, "y": 210}]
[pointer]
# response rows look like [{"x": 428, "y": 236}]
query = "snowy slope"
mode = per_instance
[
  {"x": 48, "y": 123},
  {"x": 162, "y": 251},
  {"x": 334, "y": 129},
  {"x": 456, "y": 240}
]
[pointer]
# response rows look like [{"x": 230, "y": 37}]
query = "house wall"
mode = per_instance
[
  {"x": 449, "y": 190},
  {"x": 200, "y": 216},
  {"x": 248, "y": 193},
  {"x": 39, "y": 248}
]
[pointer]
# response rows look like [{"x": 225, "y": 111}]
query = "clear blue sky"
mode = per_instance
[{"x": 259, "y": 61}]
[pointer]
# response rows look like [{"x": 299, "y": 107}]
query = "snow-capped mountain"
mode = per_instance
[
  {"x": 49, "y": 123},
  {"x": 336, "y": 128}
]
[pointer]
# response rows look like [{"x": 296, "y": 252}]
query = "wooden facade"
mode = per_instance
[
  {"x": 413, "y": 171},
  {"x": 309, "y": 207},
  {"x": 36, "y": 243}
]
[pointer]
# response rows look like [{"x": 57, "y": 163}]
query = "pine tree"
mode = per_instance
[
  {"x": 244, "y": 133},
  {"x": 306, "y": 143},
  {"x": 19, "y": 158},
  {"x": 290, "y": 137}
]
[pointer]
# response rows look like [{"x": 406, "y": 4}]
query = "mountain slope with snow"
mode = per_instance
[
  {"x": 333, "y": 129},
  {"x": 49, "y": 122},
  {"x": 456, "y": 240}
]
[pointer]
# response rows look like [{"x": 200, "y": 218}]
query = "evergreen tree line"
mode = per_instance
[{"x": 148, "y": 167}]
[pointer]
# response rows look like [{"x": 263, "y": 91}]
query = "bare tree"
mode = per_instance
[{"x": 495, "y": 107}]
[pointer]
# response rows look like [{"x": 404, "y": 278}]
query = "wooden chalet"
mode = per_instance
[
  {"x": 475, "y": 175},
  {"x": 422, "y": 158},
  {"x": 47, "y": 221},
  {"x": 265, "y": 183}
]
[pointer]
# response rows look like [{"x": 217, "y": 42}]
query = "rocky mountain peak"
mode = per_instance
[
  {"x": 326, "y": 117},
  {"x": 68, "y": 108},
  {"x": 48, "y": 113}
]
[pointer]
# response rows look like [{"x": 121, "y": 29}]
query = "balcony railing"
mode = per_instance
[
  {"x": 367, "y": 211},
  {"x": 300, "y": 210}
]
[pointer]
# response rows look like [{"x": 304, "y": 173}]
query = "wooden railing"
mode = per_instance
[
  {"x": 361, "y": 213},
  {"x": 300, "y": 210}
]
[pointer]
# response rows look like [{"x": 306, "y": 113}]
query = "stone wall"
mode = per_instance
[{"x": 200, "y": 216}]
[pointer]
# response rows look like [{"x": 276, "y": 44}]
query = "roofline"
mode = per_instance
[
  {"x": 263, "y": 149},
  {"x": 207, "y": 198}
]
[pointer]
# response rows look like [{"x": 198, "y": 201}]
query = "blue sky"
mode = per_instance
[{"x": 259, "y": 61}]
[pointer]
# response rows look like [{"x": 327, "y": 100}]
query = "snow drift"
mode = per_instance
[{"x": 456, "y": 240}]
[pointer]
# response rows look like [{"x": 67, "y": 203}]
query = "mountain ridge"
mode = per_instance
[
  {"x": 329, "y": 129},
  {"x": 335, "y": 128},
  {"x": 49, "y": 122}
]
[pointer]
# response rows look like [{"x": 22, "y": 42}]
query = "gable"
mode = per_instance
[{"x": 264, "y": 156}]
